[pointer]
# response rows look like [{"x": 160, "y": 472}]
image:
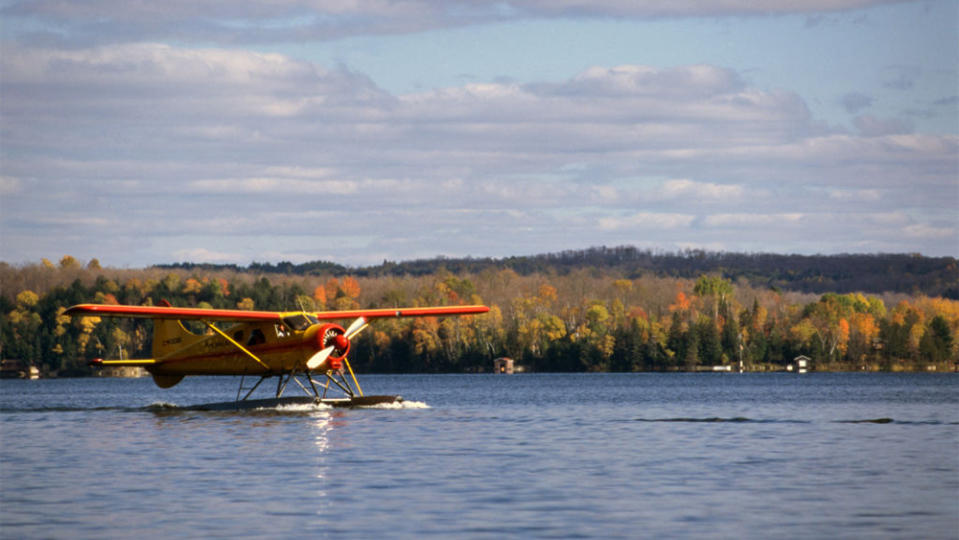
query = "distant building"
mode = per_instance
[
  {"x": 503, "y": 365},
  {"x": 800, "y": 364},
  {"x": 16, "y": 369}
]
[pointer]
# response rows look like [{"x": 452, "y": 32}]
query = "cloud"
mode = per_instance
[
  {"x": 647, "y": 220},
  {"x": 702, "y": 190},
  {"x": 870, "y": 126},
  {"x": 157, "y": 105},
  {"x": 855, "y": 102},
  {"x": 207, "y": 255},
  {"x": 263, "y": 153},
  {"x": 855, "y": 194},
  {"x": 752, "y": 220},
  {"x": 951, "y": 101},
  {"x": 632, "y": 80},
  {"x": 273, "y": 185},
  {"x": 9, "y": 185},
  {"x": 926, "y": 231},
  {"x": 244, "y": 21},
  {"x": 900, "y": 77}
]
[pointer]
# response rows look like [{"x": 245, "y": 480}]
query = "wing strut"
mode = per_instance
[
  {"x": 236, "y": 344},
  {"x": 356, "y": 382}
]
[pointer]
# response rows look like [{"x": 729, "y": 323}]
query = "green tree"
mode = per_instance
[
  {"x": 730, "y": 333},
  {"x": 936, "y": 343},
  {"x": 710, "y": 346},
  {"x": 716, "y": 289}
]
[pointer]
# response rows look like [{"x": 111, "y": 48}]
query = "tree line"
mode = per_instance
[
  {"x": 874, "y": 273},
  {"x": 584, "y": 319}
]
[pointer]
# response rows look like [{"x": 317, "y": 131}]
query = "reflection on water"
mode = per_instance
[
  {"x": 593, "y": 456},
  {"x": 321, "y": 423}
]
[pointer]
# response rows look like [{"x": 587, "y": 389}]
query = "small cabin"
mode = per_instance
[
  {"x": 503, "y": 365},
  {"x": 800, "y": 364},
  {"x": 17, "y": 369}
]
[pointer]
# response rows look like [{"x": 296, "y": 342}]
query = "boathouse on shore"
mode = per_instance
[{"x": 503, "y": 365}]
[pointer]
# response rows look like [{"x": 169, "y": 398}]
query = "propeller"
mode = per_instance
[
  {"x": 358, "y": 326},
  {"x": 335, "y": 340},
  {"x": 318, "y": 358}
]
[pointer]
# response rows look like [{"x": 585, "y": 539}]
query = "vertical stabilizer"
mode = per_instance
[{"x": 169, "y": 336}]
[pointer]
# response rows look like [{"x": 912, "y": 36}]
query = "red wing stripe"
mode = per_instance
[
  {"x": 402, "y": 312},
  {"x": 155, "y": 312}
]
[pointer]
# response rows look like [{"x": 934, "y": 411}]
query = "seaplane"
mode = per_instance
[{"x": 308, "y": 348}]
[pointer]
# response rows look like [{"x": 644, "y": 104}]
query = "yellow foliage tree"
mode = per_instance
[
  {"x": 87, "y": 326},
  {"x": 27, "y": 299},
  {"x": 67, "y": 261},
  {"x": 803, "y": 332},
  {"x": 547, "y": 293}
]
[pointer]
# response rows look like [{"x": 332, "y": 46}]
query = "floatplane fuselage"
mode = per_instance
[{"x": 264, "y": 344}]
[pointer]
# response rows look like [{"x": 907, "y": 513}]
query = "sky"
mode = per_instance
[{"x": 233, "y": 131}]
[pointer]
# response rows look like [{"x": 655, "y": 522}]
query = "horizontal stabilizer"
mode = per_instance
[
  {"x": 100, "y": 362},
  {"x": 160, "y": 312}
]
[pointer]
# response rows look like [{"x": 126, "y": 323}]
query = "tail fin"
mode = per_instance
[{"x": 168, "y": 336}]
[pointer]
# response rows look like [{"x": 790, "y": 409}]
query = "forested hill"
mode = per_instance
[
  {"x": 593, "y": 310},
  {"x": 875, "y": 273}
]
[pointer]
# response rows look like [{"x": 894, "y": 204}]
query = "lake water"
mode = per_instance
[{"x": 483, "y": 456}]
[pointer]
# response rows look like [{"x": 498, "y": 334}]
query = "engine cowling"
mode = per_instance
[{"x": 333, "y": 335}]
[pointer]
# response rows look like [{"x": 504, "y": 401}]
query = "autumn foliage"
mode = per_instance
[{"x": 575, "y": 321}]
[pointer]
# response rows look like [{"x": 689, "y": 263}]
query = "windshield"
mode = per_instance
[{"x": 299, "y": 322}]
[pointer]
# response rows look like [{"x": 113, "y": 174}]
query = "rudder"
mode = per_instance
[{"x": 168, "y": 336}]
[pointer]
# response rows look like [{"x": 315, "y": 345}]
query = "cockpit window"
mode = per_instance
[
  {"x": 256, "y": 337},
  {"x": 299, "y": 322}
]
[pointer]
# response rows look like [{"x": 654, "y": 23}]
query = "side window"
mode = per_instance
[{"x": 256, "y": 337}]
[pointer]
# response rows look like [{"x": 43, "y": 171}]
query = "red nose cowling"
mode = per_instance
[{"x": 332, "y": 335}]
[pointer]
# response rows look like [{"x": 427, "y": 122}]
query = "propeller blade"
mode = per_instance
[
  {"x": 357, "y": 327},
  {"x": 318, "y": 358}
]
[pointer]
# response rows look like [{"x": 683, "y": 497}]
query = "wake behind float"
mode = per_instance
[{"x": 274, "y": 403}]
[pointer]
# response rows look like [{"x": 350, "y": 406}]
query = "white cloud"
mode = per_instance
[
  {"x": 855, "y": 194},
  {"x": 926, "y": 231},
  {"x": 9, "y": 185},
  {"x": 245, "y": 21},
  {"x": 644, "y": 220},
  {"x": 703, "y": 190},
  {"x": 275, "y": 185},
  {"x": 206, "y": 255},
  {"x": 870, "y": 126},
  {"x": 752, "y": 220},
  {"x": 633, "y": 80},
  {"x": 237, "y": 142}
]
